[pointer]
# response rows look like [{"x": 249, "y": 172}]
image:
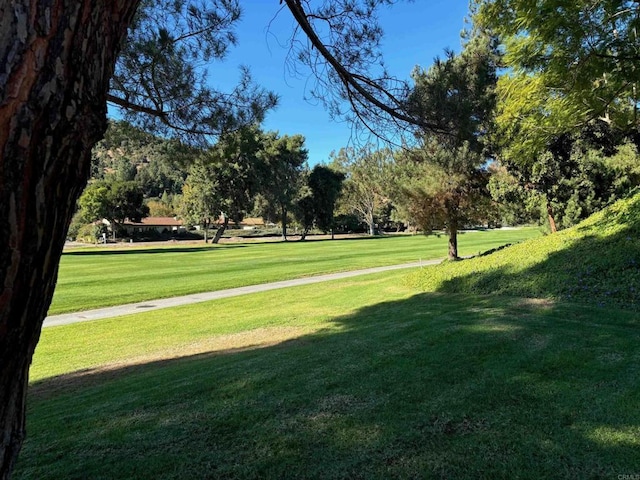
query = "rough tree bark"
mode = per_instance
[
  {"x": 283, "y": 215},
  {"x": 551, "y": 216},
  {"x": 56, "y": 59},
  {"x": 453, "y": 242}
]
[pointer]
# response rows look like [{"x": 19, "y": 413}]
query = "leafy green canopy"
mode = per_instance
[
  {"x": 224, "y": 180},
  {"x": 114, "y": 200},
  {"x": 324, "y": 185},
  {"x": 368, "y": 176},
  {"x": 285, "y": 159},
  {"x": 569, "y": 62},
  {"x": 574, "y": 176},
  {"x": 446, "y": 185}
]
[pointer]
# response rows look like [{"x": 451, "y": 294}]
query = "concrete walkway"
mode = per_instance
[{"x": 119, "y": 310}]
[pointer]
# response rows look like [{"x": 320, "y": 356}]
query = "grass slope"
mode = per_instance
[
  {"x": 350, "y": 379},
  {"x": 596, "y": 262},
  {"x": 92, "y": 278}
]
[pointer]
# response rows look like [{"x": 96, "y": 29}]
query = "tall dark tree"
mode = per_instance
[
  {"x": 284, "y": 160},
  {"x": 317, "y": 207},
  {"x": 305, "y": 214},
  {"x": 235, "y": 163},
  {"x": 456, "y": 94},
  {"x": 326, "y": 185}
]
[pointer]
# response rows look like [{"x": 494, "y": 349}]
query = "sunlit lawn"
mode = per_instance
[
  {"x": 362, "y": 378},
  {"x": 91, "y": 278}
]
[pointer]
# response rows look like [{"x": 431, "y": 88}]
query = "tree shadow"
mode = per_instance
[
  {"x": 143, "y": 250},
  {"x": 349, "y": 239},
  {"x": 433, "y": 386}
]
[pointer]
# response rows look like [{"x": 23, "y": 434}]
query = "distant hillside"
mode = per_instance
[{"x": 597, "y": 262}]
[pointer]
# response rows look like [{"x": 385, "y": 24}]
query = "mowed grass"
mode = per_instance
[
  {"x": 595, "y": 262},
  {"x": 363, "y": 378},
  {"x": 92, "y": 278}
]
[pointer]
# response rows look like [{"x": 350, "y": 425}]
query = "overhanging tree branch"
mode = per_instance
[
  {"x": 121, "y": 102},
  {"x": 353, "y": 82}
]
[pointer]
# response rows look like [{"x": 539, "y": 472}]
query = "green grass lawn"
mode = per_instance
[
  {"x": 596, "y": 262},
  {"x": 361, "y": 378},
  {"x": 92, "y": 278},
  {"x": 368, "y": 377}
]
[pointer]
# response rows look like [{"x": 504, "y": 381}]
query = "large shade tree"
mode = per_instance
[
  {"x": 62, "y": 60},
  {"x": 284, "y": 160},
  {"x": 457, "y": 94},
  {"x": 199, "y": 205},
  {"x": 223, "y": 183},
  {"x": 368, "y": 174},
  {"x": 114, "y": 201},
  {"x": 436, "y": 196}
]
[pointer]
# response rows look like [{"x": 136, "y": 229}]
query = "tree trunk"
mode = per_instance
[
  {"x": 57, "y": 57},
  {"x": 205, "y": 225},
  {"x": 284, "y": 224},
  {"x": 453, "y": 242},
  {"x": 114, "y": 229},
  {"x": 370, "y": 224},
  {"x": 552, "y": 221},
  {"x": 221, "y": 230}
]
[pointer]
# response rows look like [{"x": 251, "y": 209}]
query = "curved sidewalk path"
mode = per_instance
[{"x": 107, "y": 312}]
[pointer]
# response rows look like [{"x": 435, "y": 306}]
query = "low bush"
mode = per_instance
[{"x": 89, "y": 233}]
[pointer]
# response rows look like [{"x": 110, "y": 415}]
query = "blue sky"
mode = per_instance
[{"x": 415, "y": 33}]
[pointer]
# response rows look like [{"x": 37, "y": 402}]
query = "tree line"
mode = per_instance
[
  {"x": 245, "y": 172},
  {"x": 462, "y": 170}
]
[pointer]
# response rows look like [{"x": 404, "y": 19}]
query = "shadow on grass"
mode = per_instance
[
  {"x": 599, "y": 270},
  {"x": 137, "y": 250},
  {"x": 312, "y": 238},
  {"x": 246, "y": 242},
  {"x": 429, "y": 387}
]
